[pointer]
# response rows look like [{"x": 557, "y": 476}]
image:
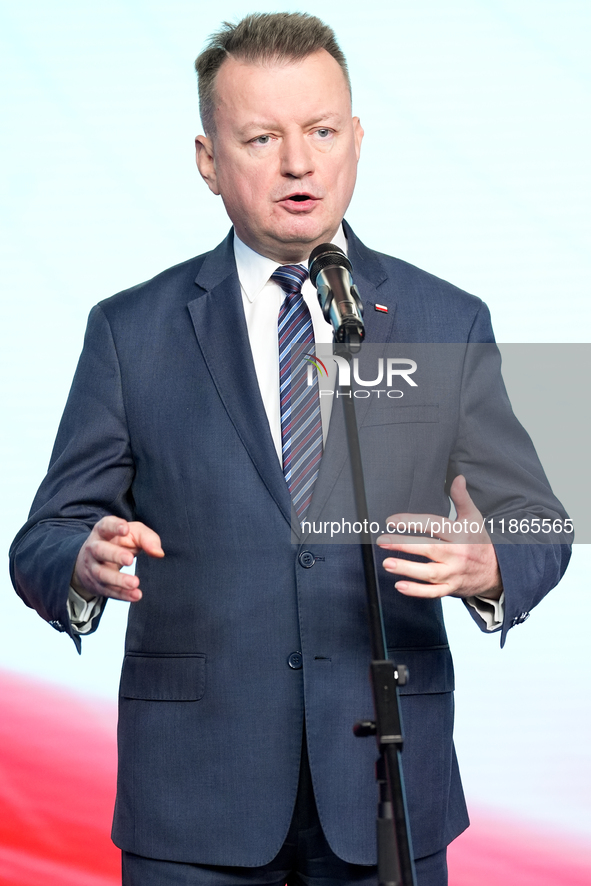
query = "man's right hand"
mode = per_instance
[{"x": 113, "y": 543}]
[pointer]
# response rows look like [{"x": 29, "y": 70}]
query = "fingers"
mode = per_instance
[
  {"x": 467, "y": 528},
  {"x": 110, "y": 528},
  {"x": 432, "y": 534},
  {"x": 461, "y": 560},
  {"x": 104, "y": 579},
  {"x": 465, "y": 507},
  {"x": 459, "y": 570},
  {"x": 133, "y": 535},
  {"x": 107, "y": 552},
  {"x": 424, "y": 528},
  {"x": 113, "y": 544},
  {"x": 144, "y": 539},
  {"x": 97, "y": 572},
  {"x": 431, "y": 579}
]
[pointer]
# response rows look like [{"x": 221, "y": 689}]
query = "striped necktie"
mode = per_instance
[{"x": 301, "y": 425}]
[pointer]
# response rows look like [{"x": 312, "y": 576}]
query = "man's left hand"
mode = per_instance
[{"x": 462, "y": 563}]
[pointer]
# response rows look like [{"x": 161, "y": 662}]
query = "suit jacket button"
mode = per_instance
[
  {"x": 519, "y": 619},
  {"x": 295, "y": 660},
  {"x": 307, "y": 559}
]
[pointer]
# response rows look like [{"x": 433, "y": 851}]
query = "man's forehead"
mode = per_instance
[
  {"x": 278, "y": 61},
  {"x": 234, "y": 70},
  {"x": 255, "y": 94}
]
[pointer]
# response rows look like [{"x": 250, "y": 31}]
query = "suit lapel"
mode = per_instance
[{"x": 220, "y": 327}]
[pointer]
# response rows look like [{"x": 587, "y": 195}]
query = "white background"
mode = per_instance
[{"x": 475, "y": 166}]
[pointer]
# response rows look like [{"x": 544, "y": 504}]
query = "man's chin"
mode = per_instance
[
  {"x": 289, "y": 241},
  {"x": 297, "y": 241}
]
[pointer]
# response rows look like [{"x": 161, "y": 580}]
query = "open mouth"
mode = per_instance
[{"x": 299, "y": 203}]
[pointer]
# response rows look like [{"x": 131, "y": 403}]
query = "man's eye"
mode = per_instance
[
  {"x": 323, "y": 133},
  {"x": 261, "y": 140}
]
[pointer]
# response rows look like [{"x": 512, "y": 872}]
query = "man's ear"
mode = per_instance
[
  {"x": 358, "y": 135},
  {"x": 205, "y": 162}
]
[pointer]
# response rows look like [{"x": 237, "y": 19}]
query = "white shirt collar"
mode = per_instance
[{"x": 254, "y": 269}]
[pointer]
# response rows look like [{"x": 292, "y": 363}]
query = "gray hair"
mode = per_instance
[{"x": 262, "y": 37}]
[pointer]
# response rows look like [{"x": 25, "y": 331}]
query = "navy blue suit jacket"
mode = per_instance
[{"x": 165, "y": 424}]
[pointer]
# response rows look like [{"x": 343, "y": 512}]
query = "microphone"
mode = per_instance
[{"x": 330, "y": 273}]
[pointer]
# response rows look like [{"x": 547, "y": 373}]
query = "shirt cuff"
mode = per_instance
[
  {"x": 83, "y": 612},
  {"x": 490, "y": 611}
]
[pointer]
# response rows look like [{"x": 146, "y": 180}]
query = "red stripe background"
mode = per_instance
[{"x": 57, "y": 788}]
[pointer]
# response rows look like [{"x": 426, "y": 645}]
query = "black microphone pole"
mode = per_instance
[{"x": 330, "y": 272}]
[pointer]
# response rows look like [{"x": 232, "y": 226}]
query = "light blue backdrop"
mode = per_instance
[{"x": 475, "y": 166}]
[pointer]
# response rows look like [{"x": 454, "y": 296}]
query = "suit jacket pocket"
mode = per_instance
[
  {"x": 430, "y": 669},
  {"x": 389, "y": 412},
  {"x": 163, "y": 677}
]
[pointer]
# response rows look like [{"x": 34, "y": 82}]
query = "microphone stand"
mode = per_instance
[{"x": 395, "y": 856}]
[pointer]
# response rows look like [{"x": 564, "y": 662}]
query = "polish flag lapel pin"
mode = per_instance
[{"x": 382, "y": 308}]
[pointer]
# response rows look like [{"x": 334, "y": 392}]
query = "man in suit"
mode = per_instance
[{"x": 246, "y": 654}]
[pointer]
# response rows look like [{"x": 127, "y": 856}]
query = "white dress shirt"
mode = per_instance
[{"x": 262, "y": 299}]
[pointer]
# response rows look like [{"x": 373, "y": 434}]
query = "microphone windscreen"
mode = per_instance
[{"x": 326, "y": 255}]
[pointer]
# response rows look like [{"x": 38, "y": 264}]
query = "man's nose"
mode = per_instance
[{"x": 296, "y": 156}]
